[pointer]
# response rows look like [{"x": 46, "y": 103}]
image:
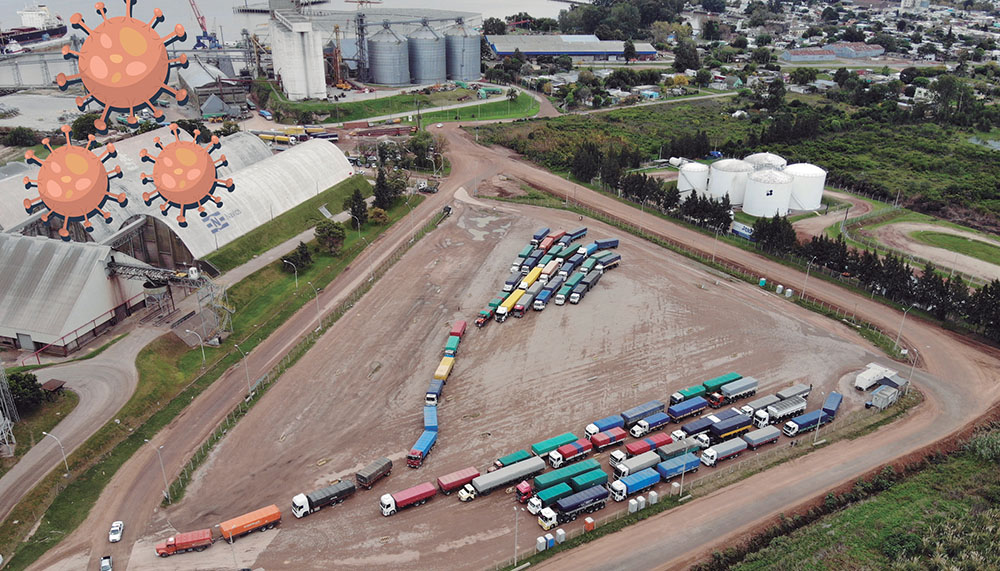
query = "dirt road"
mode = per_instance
[
  {"x": 898, "y": 236},
  {"x": 815, "y": 225}
]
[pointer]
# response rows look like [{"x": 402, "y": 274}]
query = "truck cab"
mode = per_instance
[
  {"x": 523, "y": 492},
  {"x": 484, "y": 317},
  {"x": 388, "y": 504},
  {"x": 617, "y": 457},
  {"x": 547, "y": 518},
  {"x": 501, "y": 314},
  {"x": 467, "y": 493}
]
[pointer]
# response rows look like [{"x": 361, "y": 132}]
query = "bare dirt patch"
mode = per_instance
[
  {"x": 898, "y": 236},
  {"x": 501, "y": 186}
]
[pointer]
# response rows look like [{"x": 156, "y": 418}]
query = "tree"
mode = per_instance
[
  {"x": 830, "y": 14},
  {"x": 714, "y": 5},
  {"x": 358, "y": 208},
  {"x": 703, "y": 77},
  {"x": 191, "y": 125},
  {"x": 494, "y": 27},
  {"x": 710, "y": 31},
  {"x": 383, "y": 194},
  {"x": 629, "y": 51},
  {"x": 739, "y": 42},
  {"x": 228, "y": 128},
  {"x": 84, "y": 125},
  {"x": 686, "y": 56},
  {"x": 331, "y": 235},
  {"x": 21, "y": 137},
  {"x": 26, "y": 392},
  {"x": 301, "y": 257},
  {"x": 761, "y": 55},
  {"x": 378, "y": 216},
  {"x": 420, "y": 145},
  {"x": 586, "y": 161},
  {"x": 803, "y": 75}
]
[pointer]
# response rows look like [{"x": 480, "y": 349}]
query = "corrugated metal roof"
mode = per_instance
[
  {"x": 42, "y": 280},
  {"x": 559, "y": 45},
  {"x": 199, "y": 74}
]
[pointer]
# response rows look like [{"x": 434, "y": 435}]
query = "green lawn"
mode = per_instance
[
  {"x": 524, "y": 106},
  {"x": 960, "y": 244},
  {"x": 355, "y": 110},
  {"x": 287, "y": 225},
  {"x": 28, "y": 431}
]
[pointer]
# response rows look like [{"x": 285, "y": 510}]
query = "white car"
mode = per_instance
[
  {"x": 439, "y": 125},
  {"x": 106, "y": 563},
  {"x": 115, "y": 535}
]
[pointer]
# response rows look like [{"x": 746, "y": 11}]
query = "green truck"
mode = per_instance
[
  {"x": 526, "y": 251},
  {"x": 544, "y": 447},
  {"x": 509, "y": 459},
  {"x": 713, "y": 385},
  {"x": 688, "y": 393},
  {"x": 451, "y": 347},
  {"x": 589, "y": 480},
  {"x": 564, "y": 475},
  {"x": 548, "y": 496}
]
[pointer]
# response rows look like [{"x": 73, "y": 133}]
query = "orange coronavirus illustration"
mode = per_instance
[
  {"x": 123, "y": 64},
  {"x": 184, "y": 174},
  {"x": 72, "y": 182}
]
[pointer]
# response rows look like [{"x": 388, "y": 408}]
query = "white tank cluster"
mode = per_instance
[{"x": 761, "y": 183}]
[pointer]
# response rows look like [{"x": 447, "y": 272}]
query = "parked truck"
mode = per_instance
[
  {"x": 570, "y": 265},
  {"x": 513, "y": 281},
  {"x": 539, "y": 236},
  {"x": 633, "y": 415},
  {"x": 763, "y": 402},
  {"x": 262, "y": 519},
  {"x": 415, "y": 496},
  {"x": 509, "y": 459},
  {"x": 305, "y": 504},
  {"x": 678, "y": 448},
  {"x": 454, "y": 481},
  {"x": 549, "y": 479},
  {"x": 636, "y": 463},
  {"x": 486, "y": 483},
  {"x": 688, "y": 393},
  {"x": 779, "y": 411},
  {"x": 578, "y": 293},
  {"x": 612, "y": 437},
  {"x": 573, "y": 235},
  {"x": 188, "y": 541},
  {"x": 832, "y": 404},
  {"x": 451, "y": 346},
  {"x": 587, "y": 249},
  {"x": 724, "y": 451},
  {"x": 634, "y": 483},
  {"x": 541, "y": 300},
  {"x": 548, "y": 496},
  {"x": 686, "y": 408},
  {"x": 444, "y": 369},
  {"x": 883, "y": 397},
  {"x": 757, "y": 438},
  {"x": 607, "y": 244},
  {"x": 732, "y": 392},
  {"x": 588, "y": 479},
  {"x": 367, "y": 476},
  {"x": 550, "y": 269},
  {"x": 531, "y": 277},
  {"x": 433, "y": 395},
  {"x": 649, "y": 424},
  {"x": 796, "y": 390},
  {"x": 550, "y": 240},
  {"x": 730, "y": 428},
  {"x": 430, "y": 418},
  {"x": 458, "y": 329},
  {"x": 544, "y": 447},
  {"x": 608, "y": 263},
  {"x": 604, "y": 424},
  {"x": 523, "y": 305},
  {"x": 422, "y": 449},
  {"x": 870, "y": 377},
  {"x": 570, "y": 452},
  {"x": 484, "y": 317},
  {"x": 670, "y": 469},
  {"x": 568, "y": 508},
  {"x": 640, "y": 447},
  {"x": 806, "y": 422},
  {"x": 508, "y": 305},
  {"x": 526, "y": 251}
]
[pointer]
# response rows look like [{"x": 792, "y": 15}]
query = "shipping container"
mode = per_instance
[
  {"x": 614, "y": 436},
  {"x": 458, "y": 329},
  {"x": 607, "y": 244},
  {"x": 430, "y": 418},
  {"x": 451, "y": 347}
]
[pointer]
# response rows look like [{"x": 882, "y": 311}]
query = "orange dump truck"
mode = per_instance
[
  {"x": 262, "y": 519},
  {"x": 189, "y": 541}
]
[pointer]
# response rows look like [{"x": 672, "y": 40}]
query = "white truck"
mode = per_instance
[
  {"x": 779, "y": 411},
  {"x": 757, "y": 404},
  {"x": 486, "y": 483}
]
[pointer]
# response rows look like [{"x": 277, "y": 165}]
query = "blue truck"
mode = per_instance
[
  {"x": 513, "y": 281},
  {"x": 431, "y": 418},
  {"x": 602, "y": 424},
  {"x": 567, "y": 509},
  {"x": 730, "y": 427},
  {"x": 634, "y": 483},
  {"x": 569, "y": 266},
  {"x": 687, "y": 408},
  {"x": 832, "y": 404},
  {"x": 635, "y": 414},
  {"x": 541, "y": 300},
  {"x": 587, "y": 249},
  {"x": 421, "y": 449},
  {"x": 539, "y": 236},
  {"x": 649, "y": 424},
  {"x": 674, "y": 467},
  {"x": 608, "y": 263},
  {"x": 573, "y": 236},
  {"x": 433, "y": 395},
  {"x": 806, "y": 422},
  {"x": 606, "y": 244}
]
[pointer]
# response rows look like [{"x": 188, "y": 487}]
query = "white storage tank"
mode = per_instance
[
  {"x": 807, "y": 187},
  {"x": 388, "y": 58},
  {"x": 766, "y": 161},
  {"x": 463, "y": 48},
  {"x": 729, "y": 176},
  {"x": 693, "y": 176},
  {"x": 768, "y": 193},
  {"x": 427, "y": 59}
]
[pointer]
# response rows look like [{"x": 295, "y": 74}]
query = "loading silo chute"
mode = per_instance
[
  {"x": 388, "y": 58},
  {"x": 807, "y": 186},
  {"x": 766, "y": 161},
  {"x": 463, "y": 53},
  {"x": 427, "y": 56},
  {"x": 768, "y": 193},
  {"x": 692, "y": 176},
  {"x": 729, "y": 176}
]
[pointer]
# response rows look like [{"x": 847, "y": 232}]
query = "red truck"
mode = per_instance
[
  {"x": 612, "y": 437},
  {"x": 523, "y": 492},
  {"x": 262, "y": 519},
  {"x": 570, "y": 452},
  {"x": 551, "y": 240},
  {"x": 458, "y": 329},
  {"x": 419, "y": 494},
  {"x": 646, "y": 444},
  {"x": 484, "y": 317},
  {"x": 451, "y": 482},
  {"x": 189, "y": 541}
]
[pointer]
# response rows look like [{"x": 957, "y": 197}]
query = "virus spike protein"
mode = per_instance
[
  {"x": 72, "y": 182},
  {"x": 184, "y": 174},
  {"x": 124, "y": 64}
]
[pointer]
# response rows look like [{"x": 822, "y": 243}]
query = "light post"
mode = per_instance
[
  {"x": 435, "y": 164},
  {"x": 805, "y": 283},
  {"x": 358, "y": 220},
  {"x": 246, "y": 367},
  {"x": 61, "y": 449},
  {"x": 166, "y": 487},
  {"x": 515, "y": 536},
  {"x": 895, "y": 346},
  {"x": 909, "y": 380},
  {"x": 820, "y": 425},
  {"x": 201, "y": 342},
  {"x": 296, "y": 270},
  {"x": 716, "y": 244},
  {"x": 319, "y": 322},
  {"x": 372, "y": 265}
]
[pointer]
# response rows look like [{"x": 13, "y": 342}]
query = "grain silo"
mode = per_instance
[
  {"x": 768, "y": 193},
  {"x": 427, "y": 56},
  {"x": 807, "y": 186},
  {"x": 693, "y": 176},
  {"x": 766, "y": 161},
  {"x": 463, "y": 49},
  {"x": 388, "y": 58},
  {"x": 729, "y": 176}
]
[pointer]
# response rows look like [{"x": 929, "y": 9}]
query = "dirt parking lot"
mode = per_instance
[{"x": 656, "y": 324}]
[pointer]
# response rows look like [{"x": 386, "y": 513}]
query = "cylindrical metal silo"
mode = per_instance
[
  {"x": 766, "y": 161},
  {"x": 427, "y": 56},
  {"x": 768, "y": 193},
  {"x": 693, "y": 176},
  {"x": 463, "y": 49},
  {"x": 729, "y": 176},
  {"x": 807, "y": 188},
  {"x": 388, "y": 58}
]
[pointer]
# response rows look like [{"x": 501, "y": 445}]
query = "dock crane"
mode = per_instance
[{"x": 205, "y": 39}]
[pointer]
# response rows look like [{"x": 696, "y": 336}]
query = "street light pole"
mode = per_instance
[
  {"x": 319, "y": 321},
  {"x": 909, "y": 380},
  {"x": 805, "y": 283},
  {"x": 201, "y": 342},
  {"x": 358, "y": 220},
  {"x": 820, "y": 425},
  {"x": 515, "y": 536},
  {"x": 895, "y": 346},
  {"x": 296, "y": 273},
  {"x": 372, "y": 265},
  {"x": 716, "y": 244},
  {"x": 246, "y": 367},
  {"x": 61, "y": 449},
  {"x": 166, "y": 487}
]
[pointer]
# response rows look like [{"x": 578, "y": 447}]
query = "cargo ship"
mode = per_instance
[{"x": 37, "y": 24}]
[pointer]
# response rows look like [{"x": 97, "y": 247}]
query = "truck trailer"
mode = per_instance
[
  {"x": 688, "y": 393},
  {"x": 634, "y": 483},
  {"x": 568, "y": 508},
  {"x": 508, "y": 305},
  {"x": 458, "y": 329},
  {"x": 779, "y": 411},
  {"x": 430, "y": 418},
  {"x": 757, "y": 438},
  {"x": 649, "y": 424},
  {"x": 763, "y": 402},
  {"x": 679, "y": 448},
  {"x": 578, "y": 293},
  {"x": 686, "y": 408},
  {"x": 670, "y": 469},
  {"x": 509, "y": 459},
  {"x": 305, "y": 504},
  {"x": 433, "y": 395},
  {"x": 486, "y": 483},
  {"x": 724, "y": 451},
  {"x": 573, "y": 235},
  {"x": 832, "y": 403},
  {"x": 549, "y": 479},
  {"x": 636, "y": 463},
  {"x": 732, "y": 392},
  {"x": 513, "y": 281},
  {"x": 608, "y": 263},
  {"x": 548, "y": 496},
  {"x": 538, "y": 236},
  {"x": 588, "y": 479},
  {"x": 637, "y": 413},
  {"x": 730, "y": 428},
  {"x": 548, "y": 271},
  {"x": 570, "y": 452},
  {"x": 796, "y": 390},
  {"x": 188, "y": 541},
  {"x": 415, "y": 496},
  {"x": 444, "y": 368},
  {"x": 640, "y": 447},
  {"x": 607, "y": 244},
  {"x": 544, "y": 447},
  {"x": 523, "y": 305},
  {"x": 530, "y": 279},
  {"x": 806, "y": 422},
  {"x": 603, "y": 424},
  {"x": 587, "y": 249},
  {"x": 421, "y": 449},
  {"x": 262, "y": 519},
  {"x": 454, "y": 481},
  {"x": 613, "y": 437},
  {"x": 367, "y": 476}
]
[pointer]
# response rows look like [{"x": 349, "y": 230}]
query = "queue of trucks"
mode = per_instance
[{"x": 258, "y": 520}]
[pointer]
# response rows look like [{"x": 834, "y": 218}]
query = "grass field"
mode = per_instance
[
  {"x": 967, "y": 246},
  {"x": 287, "y": 225},
  {"x": 524, "y": 106},
  {"x": 29, "y": 430},
  {"x": 354, "y": 110}
]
